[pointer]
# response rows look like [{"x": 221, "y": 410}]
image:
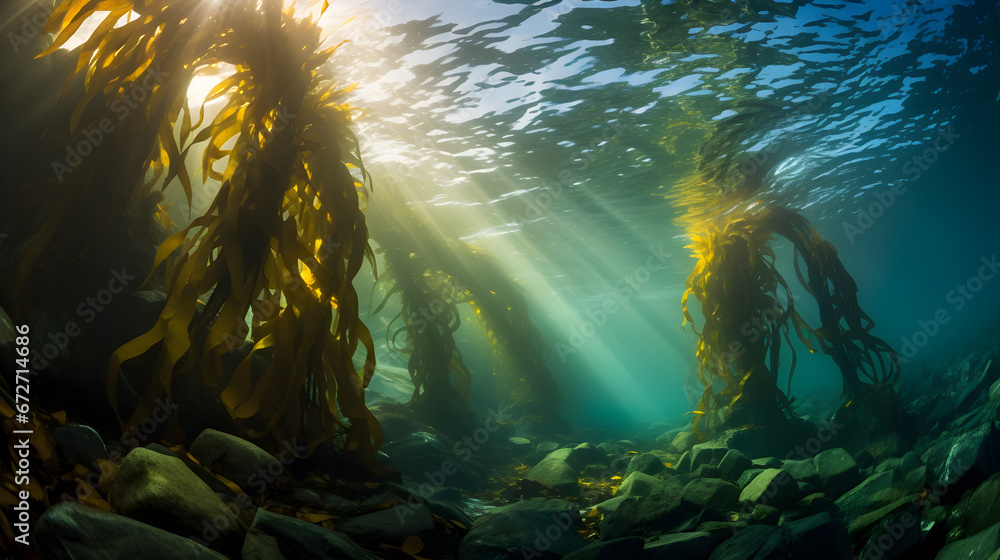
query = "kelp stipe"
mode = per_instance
[
  {"x": 285, "y": 236},
  {"x": 739, "y": 289}
]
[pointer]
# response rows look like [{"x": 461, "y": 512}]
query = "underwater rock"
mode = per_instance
[
  {"x": 983, "y": 508},
  {"x": 684, "y": 441},
  {"x": 296, "y": 539},
  {"x": 618, "y": 549},
  {"x": 734, "y": 464},
  {"x": 767, "y": 462},
  {"x": 80, "y": 444},
  {"x": 964, "y": 460},
  {"x": 160, "y": 491},
  {"x": 803, "y": 470},
  {"x": 660, "y": 509},
  {"x": 521, "y": 533},
  {"x": 894, "y": 536},
  {"x": 70, "y": 531},
  {"x": 519, "y": 442},
  {"x": 554, "y": 473},
  {"x": 819, "y": 537},
  {"x": 984, "y": 544},
  {"x": 586, "y": 454},
  {"x": 423, "y": 452},
  {"x": 689, "y": 546},
  {"x": 235, "y": 458},
  {"x": 707, "y": 471},
  {"x": 838, "y": 472},
  {"x": 763, "y": 513},
  {"x": 776, "y": 440},
  {"x": 889, "y": 446},
  {"x": 636, "y": 484},
  {"x": 755, "y": 541},
  {"x": 214, "y": 483},
  {"x": 391, "y": 525},
  {"x": 871, "y": 501},
  {"x": 645, "y": 463},
  {"x": 773, "y": 487},
  {"x": 713, "y": 493},
  {"x": 748, "y": 476},
  {"x": 706, "y": 454}
]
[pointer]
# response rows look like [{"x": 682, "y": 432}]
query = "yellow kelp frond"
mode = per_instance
[{"x": 283, "y": 238}]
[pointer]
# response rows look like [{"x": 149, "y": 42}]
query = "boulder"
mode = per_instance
[
  {"x": 684, "y": 441},
  {"x": 660, "y": 509},
  {"x": 837, "y": 470},
  {"x": 984, "y": 544},
  {"x": 554, "y": 473},
  {"x": 81, "y": 445},
  {"x": 689, "y": 546},
  {"x": 234, "y": 458},
  {"x": 713, "y": 493},
  {"x": 733, "y": 464},
  {"x": 802, "y": 470},
  {"x": 70, "y": 531},
  {"x": 646, "y": 463},
  {"x": 524, "y": 533},
  {"x": 706, "y": 454},
  {"x": 773, "y": 487},
  {"x": 296, "y": 539},
  {"x": 586, "y": 454},
  {"x": 391, "y": 525},
  {"x": 161, "y": 491}
]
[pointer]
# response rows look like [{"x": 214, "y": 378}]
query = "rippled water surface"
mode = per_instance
[{"x": 549, "y": 133}]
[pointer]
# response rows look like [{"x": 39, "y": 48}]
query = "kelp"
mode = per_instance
[
  {"x": 749, "y": 309},
  {"x": 285, "y": 235},
  {"x": 440, "y": 273},
  {"x": 430, "y": 316}
]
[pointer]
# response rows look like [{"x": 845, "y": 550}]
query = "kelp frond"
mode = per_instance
[{"x": 285, "y": 235}]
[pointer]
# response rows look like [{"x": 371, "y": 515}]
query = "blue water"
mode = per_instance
[{"x": 548, "y": 134}]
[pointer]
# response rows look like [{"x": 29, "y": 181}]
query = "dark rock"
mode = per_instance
[
  {"x": 554, "y": 473},
  {"x": 894, "y": 536},
  {"x": 70, "y": 531},
  {"x": 234, "y": 458},
  {"x": 689, "y": 546},
  {"x": 775, "y": 440},
  {"x": 646, "y": 463},
  {"x": 159, "y": 490},
  {"x": 551, "y": 505},
  {"x": 297, "y": 539},
  {"x": 617, "y": 549},
  {"x": 586, "y": 454},
  {"x": 659, "y": 510},
  {"x": 802, "y": 470},
  {"x": 837, "y": 470},
  {"x": 891, "y": 445},
  {"x": 755, "y": 541},
  {"x": 684, "y": 441},
  {"x": 772, "y": 487},
  {"x": 713, "y": 493},
  {"x": 983, "y": 544},
  {"x": 765, "y": 514},
  {"x": 818, "y": 537},
  {"x": 767, "y": 463},
  {"x": 81, "y": 445},
  {"x": 521, "y": 534},
  {"x": 707, "y": 471},
  {"x": 391, "y": 525},
  {"x": 208, "y": 478},
  {"x": 733, "y": 464},
  {"x": 423, "y": 452},
  {"x": 706, "y": 454},
  {"x": 983, "y": 509},
  {"x": 748, "y": 476},
  {"x": 964, "y": 460},
  {"x": 684, "y": 464}
]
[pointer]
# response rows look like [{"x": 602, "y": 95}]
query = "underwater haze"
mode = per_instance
[
  {"x": 549, "y": 133},
  {"x": 500, "y": 279}
]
